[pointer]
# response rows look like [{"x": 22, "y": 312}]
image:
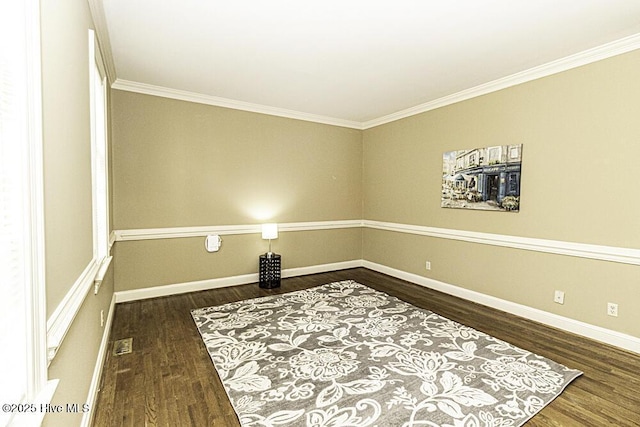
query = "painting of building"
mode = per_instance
[{"x": 482, "y": 178}]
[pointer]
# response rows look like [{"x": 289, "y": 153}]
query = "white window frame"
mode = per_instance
[
  {"x": 62, "y": 317},
  {"x": 27, "y": 37},
  {"x": 99, "y": 160}
]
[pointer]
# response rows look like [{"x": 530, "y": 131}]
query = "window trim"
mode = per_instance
[
  {"x": 99, "y": 152},
  {"x": 99, "y": 165},
  {"x": 61, "y": 319},
  {"x": 39, "y": 390},
  {"x": 37, "y": 297}
]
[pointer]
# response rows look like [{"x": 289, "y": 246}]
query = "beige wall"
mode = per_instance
[
  {"x": 580, "y": 133},
  {"x": 148, "y": 263},
  {"x": 77, "y": 358},
  {"x": 67, "y": 149},
  {"x": 68, "y": 201},
  {"x": 179, "y": 164},
  {"x": 182, "y": 164}
]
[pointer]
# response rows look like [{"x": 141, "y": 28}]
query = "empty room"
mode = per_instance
[{"x": 279, "y": 213}]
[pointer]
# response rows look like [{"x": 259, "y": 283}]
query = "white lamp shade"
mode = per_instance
[{"x": 269, "y": 231}]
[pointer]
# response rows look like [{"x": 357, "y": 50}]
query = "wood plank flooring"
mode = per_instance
[{"x": 169, "y": 380}]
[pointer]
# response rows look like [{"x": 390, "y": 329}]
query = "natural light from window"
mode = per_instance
[{"x": 22, "y": 330}]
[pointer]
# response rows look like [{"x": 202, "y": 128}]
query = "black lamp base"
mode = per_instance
[{"x": 269, "y": 275}]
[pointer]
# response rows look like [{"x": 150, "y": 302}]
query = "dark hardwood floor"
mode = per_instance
[{"x": 169, "y": 380}]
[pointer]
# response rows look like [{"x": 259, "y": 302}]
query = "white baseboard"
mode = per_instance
[
  {"x": 586, "y": 330},
  {"x": 202, "y": 285},
  {"x": 92, "y": 396},
  {"x": 181, "y": 288},
  {"x": 322, "y": 268}
]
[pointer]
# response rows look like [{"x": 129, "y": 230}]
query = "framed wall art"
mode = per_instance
[{"x": 482, "y": 178}]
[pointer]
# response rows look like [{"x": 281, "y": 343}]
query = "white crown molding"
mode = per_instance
[
  {"x": 587, "y": 330},
  {"x": 581, "y": 250},
  {"x": 589, "y": 56},
  {"x": 102, "y": 31},
  {"x": 199, "y": 98},
  {"x": 599, "y": 53}
]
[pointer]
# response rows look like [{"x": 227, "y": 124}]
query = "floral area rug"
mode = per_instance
[{"x": 343, "y": 354}]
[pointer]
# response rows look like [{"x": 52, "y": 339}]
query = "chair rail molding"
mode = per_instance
[
  {"x": 201, "y": 231},
  {"x": 61, "y": 319},
  {"x": 581, "y": 250}
]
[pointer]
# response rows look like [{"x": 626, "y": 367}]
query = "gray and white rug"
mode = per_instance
[{"x": 343, "y": 354}]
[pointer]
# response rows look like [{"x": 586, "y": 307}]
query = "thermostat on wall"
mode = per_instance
[{"x": 212, "y": 243}]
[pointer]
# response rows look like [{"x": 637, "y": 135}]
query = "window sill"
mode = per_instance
[
  {"x": 40, "y": 406},
  {"x": 102, "y": 271}
]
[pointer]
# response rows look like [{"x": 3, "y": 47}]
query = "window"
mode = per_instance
[
  {"x": 514, "y": 152},
  {"x": 472, "y": 159},
  {"x": 22, "y": 306},
  {"x": 494, "y": 155},
  {"x": 62, "y": 317},
  {"x": 99, "y": 159}
]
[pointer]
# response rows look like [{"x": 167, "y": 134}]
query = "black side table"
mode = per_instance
[{"x": 270, "y": 271}]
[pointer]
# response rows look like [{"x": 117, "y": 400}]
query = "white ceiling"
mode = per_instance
[{"x": 353, "y": 62}]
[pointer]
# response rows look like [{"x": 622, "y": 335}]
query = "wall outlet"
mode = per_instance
[
  {"x": 428, "y": 265},
  {"x": 612, "y": 309},
  {"x": 102, "y": 318},
  {"x": 558, "y": 297}
]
